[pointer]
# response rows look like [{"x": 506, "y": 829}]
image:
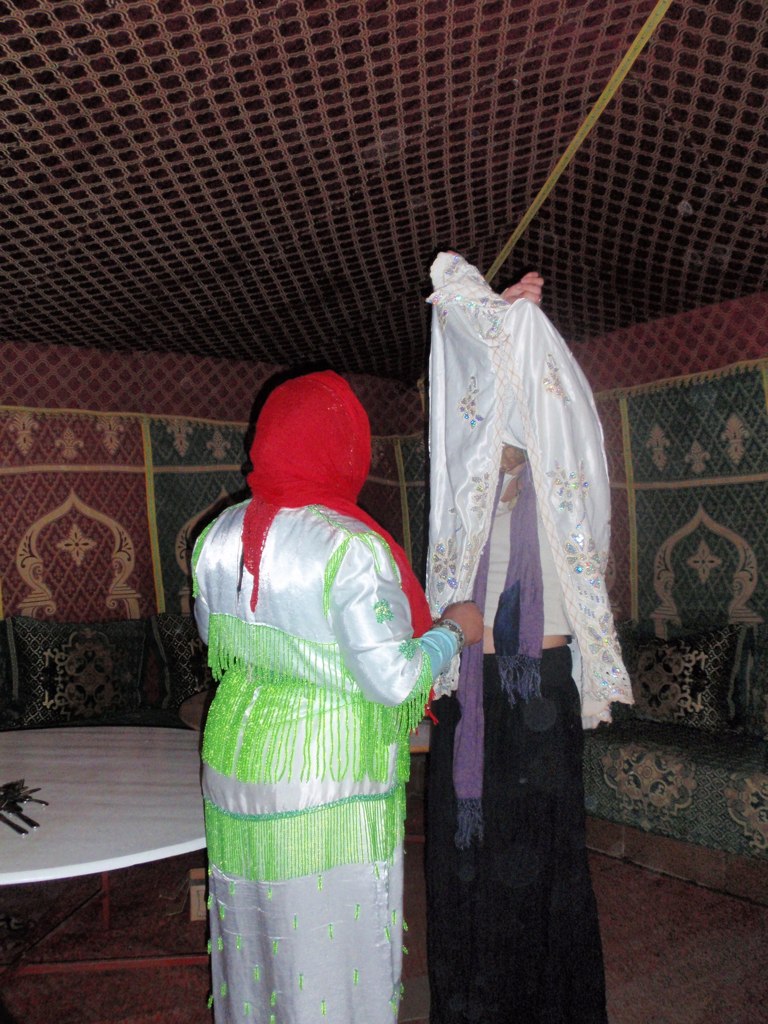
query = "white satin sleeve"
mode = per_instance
[
  {"x": 371, "y": 621},
  {"x": 202, "y": 616}
]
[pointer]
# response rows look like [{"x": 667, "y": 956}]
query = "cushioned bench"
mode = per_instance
[{"x": 688, "y": 764}]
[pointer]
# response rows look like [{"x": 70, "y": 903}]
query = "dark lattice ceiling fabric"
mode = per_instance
[{"x": 270, "y": 181}]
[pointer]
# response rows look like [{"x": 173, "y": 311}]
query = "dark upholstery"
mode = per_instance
[
  {"x": 125, "y": 672},
  {"x": 693, "y": 768},
  {"x": 183, "y": 657}
]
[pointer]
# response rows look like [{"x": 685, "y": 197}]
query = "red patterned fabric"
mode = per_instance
[
  {"x": 75, "y": 544},
  {"x": 175, "y": 384},
  {"x": 707, "y": 338}
]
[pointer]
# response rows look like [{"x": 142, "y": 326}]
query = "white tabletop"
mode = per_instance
[{"x": 116, "y": 796}]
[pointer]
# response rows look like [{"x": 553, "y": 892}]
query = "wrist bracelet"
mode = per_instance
[{"x": 456, "y": 629}]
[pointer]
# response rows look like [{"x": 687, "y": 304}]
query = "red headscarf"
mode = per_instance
[{"x": 313, "y": 447}]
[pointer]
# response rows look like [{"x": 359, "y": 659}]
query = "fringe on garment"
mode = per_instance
[
  {"x": 520, "y": 677},
  {"x": 304, "y": 703},
  {"x": 469, "y": 822},
  {"x": 276, "y": 847}
]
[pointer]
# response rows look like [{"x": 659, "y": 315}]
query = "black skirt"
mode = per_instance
[{"x": 512, "y": 929}]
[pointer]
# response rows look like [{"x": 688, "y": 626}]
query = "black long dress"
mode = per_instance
[{"x": 512, "y": 928}]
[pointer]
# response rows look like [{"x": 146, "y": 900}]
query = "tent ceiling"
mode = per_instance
[{"x": 269, "y": 181}]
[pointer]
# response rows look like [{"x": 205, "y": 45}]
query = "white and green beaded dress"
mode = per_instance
[{"x": 305, "y": 756}]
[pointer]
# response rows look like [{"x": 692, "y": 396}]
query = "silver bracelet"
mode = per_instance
[{"x": 456, "y": 629}]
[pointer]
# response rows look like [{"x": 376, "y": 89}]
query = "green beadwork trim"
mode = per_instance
[
  {"x": 377, "y": 545},
  {"x": 272, "y": 848},
  {"x": 233, "y": 643},
  {"x": 345, "y": 736},
  {"x": 383, "y": 611},
  {"x": 408, "y": 649}
]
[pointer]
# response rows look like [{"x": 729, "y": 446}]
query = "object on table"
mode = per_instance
[{"x": 13, "y": 795}]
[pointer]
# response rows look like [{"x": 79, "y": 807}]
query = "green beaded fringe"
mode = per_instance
[
  {"x": 345, "y": 734},
  {"x": 272, "y": 848}
]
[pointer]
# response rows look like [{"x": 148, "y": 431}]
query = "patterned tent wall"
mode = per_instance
[
  {"x": 689, "y": 464},
  {"x": 172, "y": 384},
  {"x": 101, "y": 510},
  {"x": 704, "y": 339},
  {"x": 110, "y": 426}
]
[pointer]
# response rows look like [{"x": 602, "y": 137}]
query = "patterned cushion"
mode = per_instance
[
  {"x": 184, "y": 658},
  {"x": 75, "y": 673},
  {"x": 686, "y": 680}
]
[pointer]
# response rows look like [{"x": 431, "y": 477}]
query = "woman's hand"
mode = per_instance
[
  {"x": 528, "y": 287},
  {"x": 467, "y": 615}
]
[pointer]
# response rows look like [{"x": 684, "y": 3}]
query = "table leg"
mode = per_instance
[{"x": 105, "y": 899}]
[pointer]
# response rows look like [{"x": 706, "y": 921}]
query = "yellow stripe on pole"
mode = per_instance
[{"x": 588, "y": 124}]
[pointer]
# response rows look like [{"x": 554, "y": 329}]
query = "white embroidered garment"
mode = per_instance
[{"x": 498, "y": 371}]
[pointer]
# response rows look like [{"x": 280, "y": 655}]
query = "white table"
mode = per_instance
[{"x": 116, "y": 797}]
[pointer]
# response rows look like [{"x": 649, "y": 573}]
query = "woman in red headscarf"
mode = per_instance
[{"x": 323, "y": 642}]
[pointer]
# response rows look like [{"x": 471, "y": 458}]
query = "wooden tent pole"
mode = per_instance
[{"x": 589, "y": 122}]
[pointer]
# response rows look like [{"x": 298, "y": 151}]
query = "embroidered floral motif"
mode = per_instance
[
  {"x": 408, "y": 649},
  {"x": 444, "y": 565},
  {"x": 23, "y": 425},
  {"x": 697, "y": 458},
  {"x": 468, "y": 404},
  {"x": 479, "y": 494},
  {"x": 69, "y": 444},
  {"x": 568, "y": 488},
  {"x": 472, "y": 554},
  {"x": 552, "y": 382},
  {"x": 703, "y": 561},
  {"x": 584, "y": 558},
  {"x": 455, "y": 261},
  {"x": 111, "y": 429},
  {"x": 487, "y": 313},
  {"x": 602, "y": 642},
  {"x": 735, "y": 436},
  {"x": 382, "y": 611},
  {"x": 657, "y": 444}
]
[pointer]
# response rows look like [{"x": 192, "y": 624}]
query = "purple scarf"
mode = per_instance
[{"x": 517, "y": 635}]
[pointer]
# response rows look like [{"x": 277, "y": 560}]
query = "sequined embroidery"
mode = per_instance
[
  {"x": 479, "y": 494},
  {"x": 455, "y": 261},
  {"x": 472, "y": 554},
  {"x": 487, "y": 313},
  {"x": 552, "y": 382},
  {"x": 468, "y": 404},
  {"x": 568, "y": 487},
  {"x": 583, "y": 558},
  {"x": 408, "y": 649},
  {"x": 444, "y": 565},
  {"x": 382, "y": 611}
]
